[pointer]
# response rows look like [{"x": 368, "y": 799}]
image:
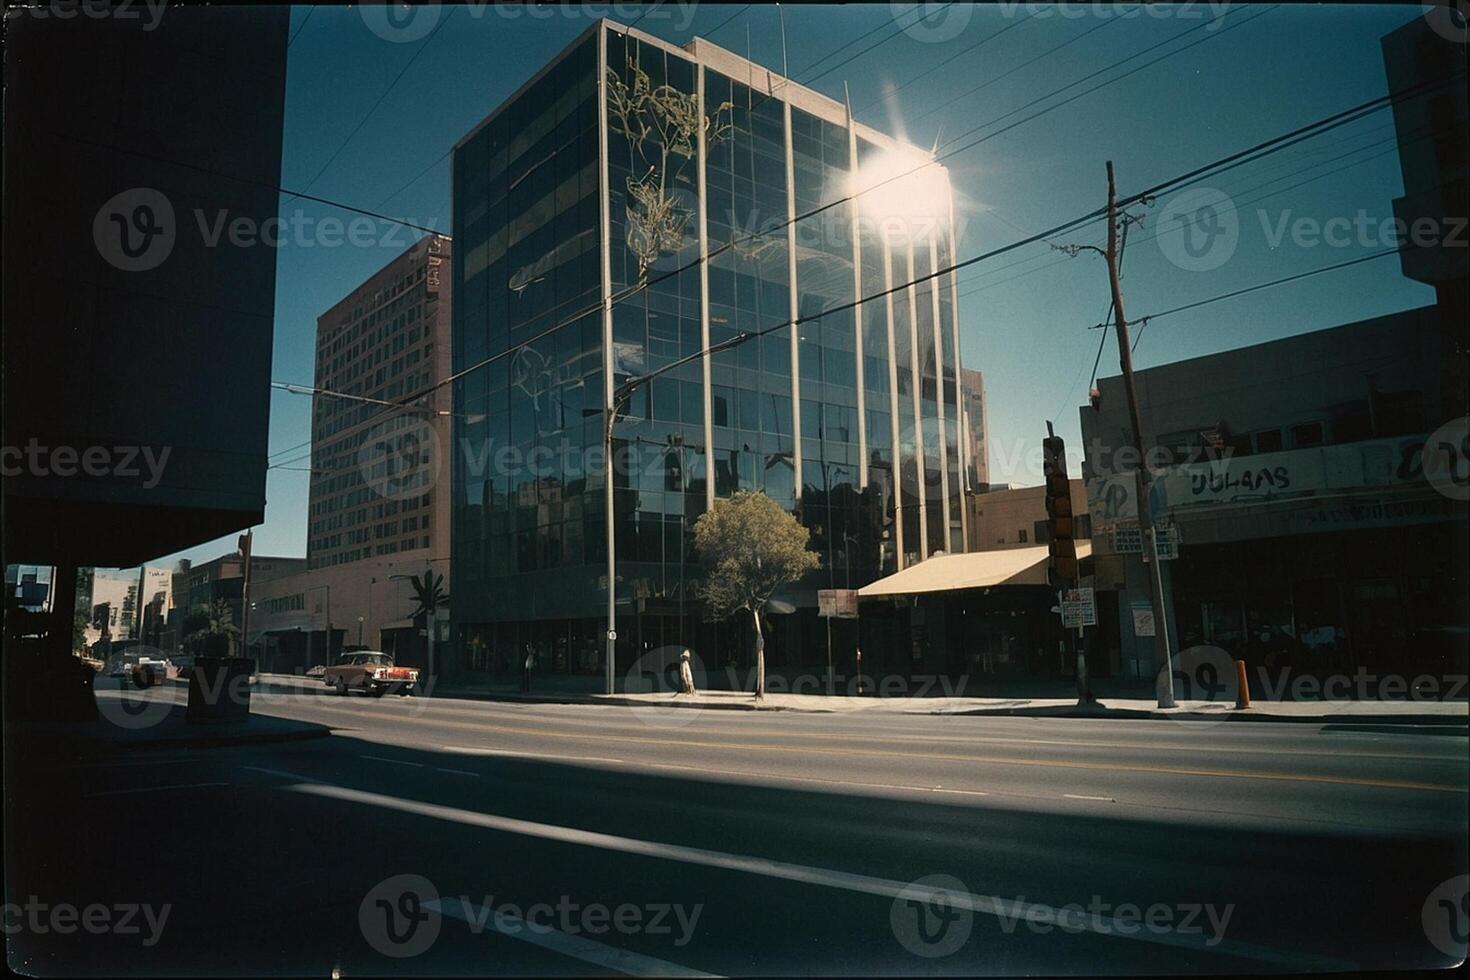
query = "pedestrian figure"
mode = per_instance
[
  {"x": 686, "y": 674},
  {"x": 526, "y": 666}
]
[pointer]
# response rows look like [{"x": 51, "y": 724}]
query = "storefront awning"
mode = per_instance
[{"x": 976, "y": 570}]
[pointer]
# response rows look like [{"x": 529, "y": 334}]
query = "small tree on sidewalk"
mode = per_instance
[{"x": 750, "y": 547}]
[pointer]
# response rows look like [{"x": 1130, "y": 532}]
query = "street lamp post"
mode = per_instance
[
  {"x": 619, "y": 400},
  {"x": 327, "y": 656}
]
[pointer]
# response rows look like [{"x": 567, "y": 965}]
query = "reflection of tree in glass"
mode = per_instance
[{"x": 670, "y": 118}]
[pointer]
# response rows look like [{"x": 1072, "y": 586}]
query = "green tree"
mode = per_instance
[
  {"x": 750, "y": 547},
  {"x": 79, "y": 625},
  {"x": 205, "y": 622}
]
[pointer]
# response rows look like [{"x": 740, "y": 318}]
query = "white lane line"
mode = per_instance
[
  {"x": 707, "y": 770},
  {"x": 457, "y": 772},
  {"x": 578, "y": 947},
  {"x": 396, "y": 762},
  {"x": 277, "y": 772},
  {"x": 152, "y": 789},
  {"x": 825, "y": 877},
  {"x": 1100, "y": 799},
  {"x": 473, "y": 750}
]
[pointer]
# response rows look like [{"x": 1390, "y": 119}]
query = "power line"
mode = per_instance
[
  {"x": 1144, "y": 321},
  {"x": 254, "y": 181},
  {"x": 363, "y": 121},
  {"x": 1239, "y": 158},
  {"x": 929, "y": 71},
  {"x": 300, "y": 27},
  {"x": 1006, "y": 74},
  {"x": 974, "y": 288}
]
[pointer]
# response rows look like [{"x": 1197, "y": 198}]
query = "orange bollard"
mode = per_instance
[{"x": 1243, "y": 697}]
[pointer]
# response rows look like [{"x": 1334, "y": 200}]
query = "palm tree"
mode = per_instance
[
  {"x": 209, "y": 621},
  {"x": 428, "y": 592}
]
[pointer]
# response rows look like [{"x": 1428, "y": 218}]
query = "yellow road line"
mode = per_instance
[{"x": 941, "y": 757}]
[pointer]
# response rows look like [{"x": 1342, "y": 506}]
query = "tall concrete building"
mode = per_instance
[
  {"x": 374, "y": 486},
  {"x": 634, "y": 204}
]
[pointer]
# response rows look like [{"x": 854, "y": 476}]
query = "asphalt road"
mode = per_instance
[{"x": 583, "y": 840}]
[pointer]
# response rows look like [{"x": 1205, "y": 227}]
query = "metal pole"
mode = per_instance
[
  {"x": 612, "y": 561},
  {"x": 1145, "y": 518}
]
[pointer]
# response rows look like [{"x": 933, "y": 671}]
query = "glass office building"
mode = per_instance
[{"x": 634, "y": 204}]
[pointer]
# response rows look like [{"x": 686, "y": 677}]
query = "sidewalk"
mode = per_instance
[{"x": 1455, "y": 714}]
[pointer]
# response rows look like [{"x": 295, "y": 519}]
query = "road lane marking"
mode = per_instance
[
  {"x": 457, "y": 772},
  {"x": 1100, "y": 799},
  {"x": 804, "y": 874},
  {"x": 577, "y": 947},
  {"x": 807, "y": 779},
  {"x": 151, "y": 789},
  {"x": 276, "y": 772},
  {"x": 475, "y": 750},
  {"x": 1142, "y": 745},
  {"x": 943, "y": 757},
  {"x": 396, "y": 762}
]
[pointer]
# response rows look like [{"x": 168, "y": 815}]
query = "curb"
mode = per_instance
[{"x": 617, "y": 701}]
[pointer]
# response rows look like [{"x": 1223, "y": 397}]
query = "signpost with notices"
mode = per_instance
[
  {"x": 1079, "y": 608},
  {"x": 836, "y": 604}
]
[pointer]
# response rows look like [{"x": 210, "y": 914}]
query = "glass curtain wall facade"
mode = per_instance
[{"x": 575, "y": 268}]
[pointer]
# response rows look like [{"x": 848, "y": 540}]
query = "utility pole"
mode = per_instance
[
  {"x": 247, "y": 541},
  {"x": 1145, "y": 518}
]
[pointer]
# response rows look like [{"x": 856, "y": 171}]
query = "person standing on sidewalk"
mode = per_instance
[
  {"x": 686, "y": 675},
  {"x": 526, "y": 665}
]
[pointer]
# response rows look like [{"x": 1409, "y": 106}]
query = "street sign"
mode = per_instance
[
  {"x": 1168, "y": 537},
  {"x": 837, "y": 603},
  {"x": 1128, "y": 539},
  {"x": 1079, "y": 608},
  {"x": 1143, "y": 618}
]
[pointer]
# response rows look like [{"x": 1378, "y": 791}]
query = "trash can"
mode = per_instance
[{"x": 219, "y": 689}]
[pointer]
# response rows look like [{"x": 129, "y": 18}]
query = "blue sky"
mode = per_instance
[{"x": 1024, "y": 317}]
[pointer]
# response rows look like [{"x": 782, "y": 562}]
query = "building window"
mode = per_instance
[
  {"x": 1268, "y": 441},
  {"x": 1306, "y": 435}
]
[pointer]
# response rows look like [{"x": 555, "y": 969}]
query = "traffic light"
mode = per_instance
[{"x": 1059, "y": 515}]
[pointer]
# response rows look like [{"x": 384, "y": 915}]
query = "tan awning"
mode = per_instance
[{"x": 976, "y": 570}]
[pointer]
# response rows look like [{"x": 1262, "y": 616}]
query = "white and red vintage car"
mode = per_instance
[{"x": 371, "y": 672}]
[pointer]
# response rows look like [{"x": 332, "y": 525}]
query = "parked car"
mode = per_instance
[
  {"x": 371, "y": 672},
  {"x": 148, "y": 672},
  {"x": 320, "y": 670}
]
